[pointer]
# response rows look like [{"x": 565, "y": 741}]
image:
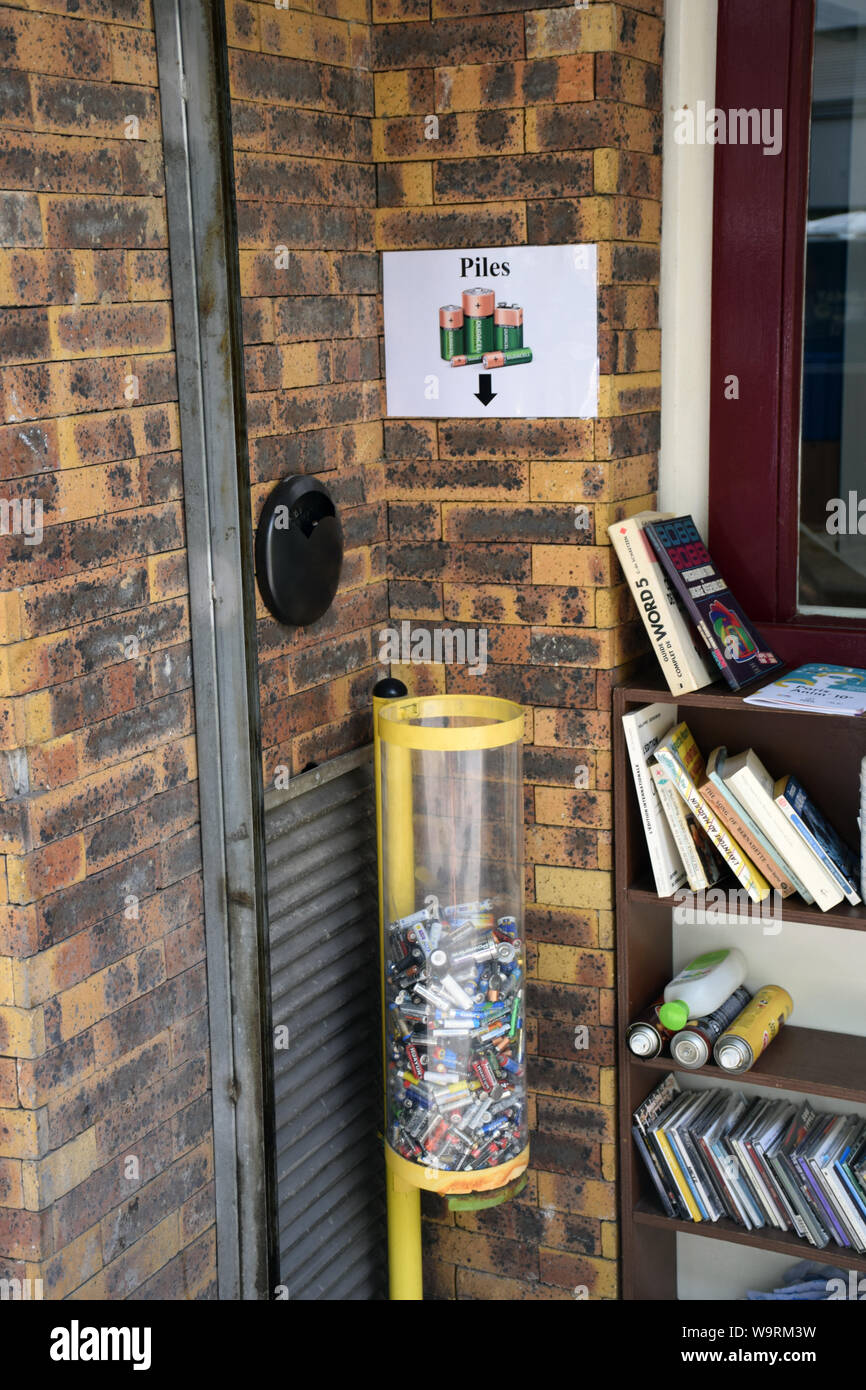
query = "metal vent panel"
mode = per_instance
[{"x": 323, "y": 912}]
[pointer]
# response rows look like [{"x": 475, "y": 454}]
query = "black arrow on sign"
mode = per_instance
[{"x": 484, "y": 393}]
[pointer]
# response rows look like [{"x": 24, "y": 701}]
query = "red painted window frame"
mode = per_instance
[{"x": 764, "y": 59}]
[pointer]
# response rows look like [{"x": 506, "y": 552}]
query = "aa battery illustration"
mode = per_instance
[
  {"x": 692, "y": 1045},
  {"x": 479, "y": 330},
  {"x": 508, "y": 326},
  {"x": 466, "y": 359},
  {"x": 752, "y": 1031},
  {"x": 452, "y": 339},
  {"x": 512, "y": 358},
  {"x": 646, "y": 1036}
]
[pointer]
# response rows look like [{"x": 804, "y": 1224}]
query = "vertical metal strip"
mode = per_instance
[{"x": 196, "y": 121}]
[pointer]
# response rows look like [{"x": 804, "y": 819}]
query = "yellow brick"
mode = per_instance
[
  {"x": 569, "y": 965},
  {"x": 242, "y": 24},
  {"x": 415, "y": 182},
  {"x": 7, "y": 980},
  {"x": 573, "y": 887},
  {"x": 421, "y": 680},
  {"x": 23, "y": 1133},
  {"x": 22, "y": 1032},
  {"x": 47, "y": 1179},
  {"x": 392, "y": 93},
  {"x": 300, "y": 365},
  {"x": 587, "y": 566},
  {"x": 606, "y": 171},
  {"x": 551, "y": 33},
  {"x": 76, "y": 1267},
  {"x": 95, "y": 1290},
  {"x": 629, "y": 394},
  {"x": 37, "y": 717},
  {"x": 606, "y": 513},
  {"x": 10, "y": 617},
  {"x": 609, "y": 1240},
  {"x": 313, "y": 37},
  {"x": 607, "y": 1086},
  {"x": 613, "y": 606},
  {"x": 608, "y": 1161},
  {"x": 588, "y": 1197}
]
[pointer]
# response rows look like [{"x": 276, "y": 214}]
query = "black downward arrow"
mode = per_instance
[{"x": 484, "y": 393}]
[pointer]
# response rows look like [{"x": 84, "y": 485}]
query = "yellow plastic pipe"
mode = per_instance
[{"x": 403, "y": 1199}]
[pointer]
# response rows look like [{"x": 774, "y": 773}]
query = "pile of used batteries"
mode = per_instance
[{"x": 454, "y": 995}]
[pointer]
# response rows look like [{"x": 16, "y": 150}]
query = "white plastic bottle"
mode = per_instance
[{"x": 702, "y": 986}]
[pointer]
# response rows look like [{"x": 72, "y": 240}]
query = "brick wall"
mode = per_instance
[
  {"x": 302, "y": 103},
  {"x": 549, "y": 132},
  {"x": 549, "y": 124},
  {"x": 105, "y": 1121}
]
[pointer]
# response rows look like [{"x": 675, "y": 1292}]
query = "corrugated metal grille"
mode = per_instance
[{"x": 323, "y": 911}]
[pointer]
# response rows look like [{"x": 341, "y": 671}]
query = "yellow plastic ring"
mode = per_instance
[
  {"x": 507, "y": 727},
  {"x": 447, "y": 1183}
]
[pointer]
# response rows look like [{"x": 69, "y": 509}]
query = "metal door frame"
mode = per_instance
[{"x": 198, "y": 152}]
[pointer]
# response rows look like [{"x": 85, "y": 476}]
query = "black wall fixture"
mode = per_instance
[{"x": 299, "y": 551}]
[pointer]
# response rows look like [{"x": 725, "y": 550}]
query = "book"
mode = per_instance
[
  {"x": 757, "y": 1162},
  {"x": 861, "y": 821},
  {"x": 819, "y": 835},
  {"x": 744, "y": 830},
  {"x": 701, "y": 866},
  {"x": 817, "y": 688},
  {"x": 738, "y": 650},
  {"x": 681, "y": 758},
  {"x": 643, "y": 729},
  {"x": 754, "y": 787},
  {"x": 644, "y": 1117},
  {"x": 684, "y": 666}
]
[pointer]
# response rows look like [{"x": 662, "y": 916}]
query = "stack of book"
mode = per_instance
[
  {"x": 696, "y": 627},
  {"x": 756, "y": 1161},
  {"x": 729, "y": 814}
]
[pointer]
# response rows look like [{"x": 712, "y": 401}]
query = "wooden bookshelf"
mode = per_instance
[{"x": 824, "y": 751}]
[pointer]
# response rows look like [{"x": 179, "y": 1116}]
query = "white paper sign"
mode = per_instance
[{"x": 555, "y": 287}]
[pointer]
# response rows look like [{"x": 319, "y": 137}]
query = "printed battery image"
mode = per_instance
[
  {"x": 451, "y": 334},
  {"x": 514, "y": 357},
  {"x": 478, "y": 307},
  {"x": 508, "y": 326},
  {"x": 466, "y": 359}
]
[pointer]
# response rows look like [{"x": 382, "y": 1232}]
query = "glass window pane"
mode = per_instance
[{"x": 832, "y": 568}]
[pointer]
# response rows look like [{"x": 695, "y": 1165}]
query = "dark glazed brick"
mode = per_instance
[
  {"x": 519, "y": 176},
  {"x": 447, "y": 42}
]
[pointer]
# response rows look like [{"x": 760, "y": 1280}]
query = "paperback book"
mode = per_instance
[
  {"x": 738, "y": 650},
  {"x": 816, "y": 688}
]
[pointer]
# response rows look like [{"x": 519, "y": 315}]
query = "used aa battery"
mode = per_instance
[
  {"x": 466, "y": 359},
  {"x": 512, "y": 358},
  {"x": 478, "y": 307},
  {"x": 451, "y": 336},
  {"x": 508, "y": 326}
]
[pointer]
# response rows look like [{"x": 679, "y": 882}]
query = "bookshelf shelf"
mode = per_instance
[
  {"x": 844, "y": 916},
  {"x": 801, "y": 1059},
  {"x": 824, "y": 751},
  {"x": 782, "y": 1242}
]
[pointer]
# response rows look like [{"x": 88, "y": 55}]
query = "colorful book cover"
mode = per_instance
[
  {"x": 816, "y": 687},
  {"x": 738, "y": 649},
  {"x": 702, "y": 865},
  {"x": 819, "y": 835},
  {"x": 681, "y": 758},
  {"x": 742, "y": 828},
  {"x": 685, "y": 662}
]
